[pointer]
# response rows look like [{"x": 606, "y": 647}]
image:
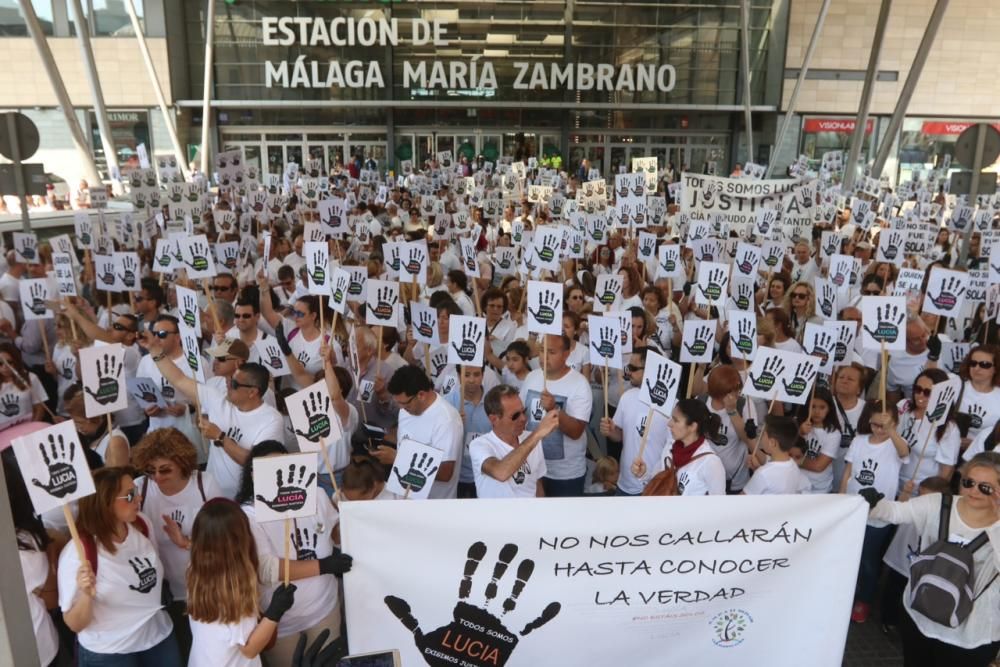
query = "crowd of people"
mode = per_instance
[{"x": 177, "y": 568}]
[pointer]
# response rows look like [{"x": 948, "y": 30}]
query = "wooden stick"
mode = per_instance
[
  {"x": 322, "y": 323},
  {"x": 691, "y": 373},
  {"x": 545, "y": 363},
  {"x": 885, "y": 372},
  {"x": 378, "y": 354},
  {"x": 131, "y": 300},
  {"x": 923, "y": 450},
  {"x": 326, "y": 461},
  {"x": 605, "y": 387},
  {"x": 756, "y": 445},
  {"x": 475, "y": 291},
  {"x": 45, "y": 339},
  {"x": 461, "y": 390},
  {"x": 110, "y": 425},
  {"x": 407, "y": 494},
  {"x": 288, "y": 550},
  {"x": 211, "y": 305},
  {"x": 71, "y": 524}
]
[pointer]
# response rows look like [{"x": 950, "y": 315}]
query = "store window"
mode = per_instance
[
  {"x": 128, "y": 130},
  {"x": 108, "y": 18},
  {"x": 924, "y": 143},
  {"x": 12, "y": 21},
  {"x": 822, "y": 135}
]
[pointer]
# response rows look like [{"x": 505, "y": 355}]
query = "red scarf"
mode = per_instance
[{"x": 682, "y": 454}]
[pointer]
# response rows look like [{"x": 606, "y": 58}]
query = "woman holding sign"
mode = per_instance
[
  {"x": 22, "y": 396},
  {"x": 302, "y": 336},
  {"x": 933, "y": 446},
  {"x": 979, "y": 398},
  {"x": 700, "y": 471},
  {"x": 113, "y": 599}
]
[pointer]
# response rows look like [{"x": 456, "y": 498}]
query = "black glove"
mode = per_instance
[
  {"x": 933, "y": 348},
  {"x": 336, "y": 563},
  {"x": 750, "y": 428},
  {"x": 279, "y": 334},
  {"x": 313, "y": 657},
  {"x": 281, "y": 601},
  {"x": 871, "y": 496}
]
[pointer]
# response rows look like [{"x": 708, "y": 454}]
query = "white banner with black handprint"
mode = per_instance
[
  {"x": 227, "y": 256},
  {"x": 883, "y": 320},
  {"x": 765, "y": 373},
  {"x": 624, "y": 318},
  {"x": 747, "y": 261},
  {"x": 772, "y": 254},
  {"x": 424, "y": 321},
  {"x": 129, "y": 274},
  {"x": 35, "y": 293},
  {"x": 54, "y": 467},
  {"x": 190, "y": 342},
  {"x": 188, "y": 310},
  {"x": 284, "y": 487},
  {"x": 469, "y": 256},
  {"x": 465, "y": 340},
  {"x": 597, "y": 227},
  {"x": 713, "y": 284},
  {"x": 826, "y": 298},
  {"x": 661, "y": 379},
  {"x": 164, "y": 260},
  {"x": 103, "y": 377},
  {"x": 669, "y": 264},
  {"x": 83, "y": 230},
  {"x": 340, "y": 281},
  {"x": 698, "y": 343},
  {"x": 381, "y": 303},
  {"x": 357, "y": 288},
  {"x": 953, "y": 354},
  {"x": 26, "y": 247},
  {"x": 390, "y": 252},
  {"x": 798, "y": 377},
  {"x": 820, "y": 341},
  {"x": 414, "y": 258},
  {"x": 145, "y": 392},
  {"x": 890, "y": 247},
  {"x": 608, "y": 292},
  {"x": 317, "y": 266},
  {"x": 605, "y": 341},
  {"x": 742, "y": 294},
  {"x": 945, "y": 292},
  {"x": 312, "y": 417},
  {"x": 942, "y": 398},
  {"x": 106, "y": 273},
  {"x": 742, "y": 334},
  {"x": 505, "y": 260},
  {"x": 843, "y": 348},
  {"x": 196, "y": 256},
  {"x": 271, "y": 357},
  {"x": 547, "y": 242},
  {"x": 414, "y": 469},
  {"x": 647, "y": 247},
  {"x": 545, "y": 307}
]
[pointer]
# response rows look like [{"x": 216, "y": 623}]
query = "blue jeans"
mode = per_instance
[
  {"x": 619, "y": 492},
  {"x": 164, "y": 654},
  {"x": 872, "y": 550},
  {"x": 563, "y": 488}
]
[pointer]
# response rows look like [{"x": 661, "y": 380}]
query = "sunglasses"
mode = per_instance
[
  {"x": 632, "y": 369},
  {"x": 225, "y": 359},
  {"x": 984, "y": 488},
  {"x": 873, "y": 293},
  {"x": 235, "y": 384},
  {"x": 799, "y": 295},
  {"x": 121, "y": 327},
  {"x": 130, "y": 496},
  {"x": 139, "y": 298},
  {"x": 298, "y": 313},
  {"x": 161, "y": 334},
  {"x": 220, "y": 288},
  {"x": 517, "y": 415},
  {"x": 981, "y": 364},
  {"x": 921, "y": 390},
  {"x": 243, "y": 316}
]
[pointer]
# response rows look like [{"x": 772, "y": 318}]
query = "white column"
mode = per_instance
[{"x": 206, "y": 108}]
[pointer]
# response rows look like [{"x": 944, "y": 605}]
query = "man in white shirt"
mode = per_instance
[
  {"x": 246, "y": 318},
  {"x": 567, "y": 391},
  {"x": 904, "y": 368},
  {"x": 506, "y": 462},
  {"x": 165, "y": 332},
  {"x": 804, "y": 268},
  {"x": 430, "y": 420},
  {"x": 237, "y": 419}
]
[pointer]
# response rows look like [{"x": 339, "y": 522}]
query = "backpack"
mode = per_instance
[
  {"x": 90, "y": 546},
  {"x": 942, "y": 575},
  {"x": 665, "y": 483}
]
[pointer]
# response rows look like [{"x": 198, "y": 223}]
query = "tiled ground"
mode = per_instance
[{"x": 868, "y": 647}]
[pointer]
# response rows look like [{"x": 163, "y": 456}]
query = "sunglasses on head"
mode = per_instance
[
  {"x": 981, "y": 364},
  {"x": 984, "y": 488},
  {"x": 161, "y": 334}
]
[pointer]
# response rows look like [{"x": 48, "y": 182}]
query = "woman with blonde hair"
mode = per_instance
[
  {"x": 800, "y": 304},
  {"x": 223, "y": 591}
]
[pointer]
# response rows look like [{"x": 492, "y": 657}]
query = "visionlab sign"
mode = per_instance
[{"x": 431, "y": 74}]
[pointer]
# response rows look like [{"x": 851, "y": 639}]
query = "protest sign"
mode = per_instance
[
  {"x": 145, "y": 392},
  {"x": 381, "y": 302},
  {"x": 820, "y": 341},
  {"x": 698, "y": 343},
  {"x": 284, "y": 487},
  {"x": 313, "y": 419},
  {"x": 413, "y": 262},
  {"x": 545, "y": 307},
  {"x": 605, "y": 341},
  {"x": 271, "y": 357},
  {"x": 883, "y": 322},
  {"x": 660, "y": 379},
  {"x": 608, "y": 292},
  {"x": 196, "y": 257},
  {"x": 414, "y": 469},
  {"x": 339, "y": 283},
  {"x": 317, "y": 267},
  {"x": 54, "y": 466},
  {"x": 945, "y": 292},
  {"x": 713, "y": 283},
  {"x": 34, "y": 295},
  {"x": 101, "y": 370},
  {"x": 465, "y": 340},
  {"x": 734, "y": 200},
  {"x": 686, "y": 568},
  {"x": 424, "y": 321},
  {"x": 669, "y": 264},
  {"x": 25, "y": 247},
  {"x": 743, "y": 334}
]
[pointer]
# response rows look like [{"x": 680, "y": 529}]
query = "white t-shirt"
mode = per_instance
[
  {"x": 982, "y": 408},
  {"x": 35, "y": 568},
  {"x": 630, "y": 417},
  {"x": 777, "y": 477},
  {"x": 938, "y": 452},
  {"x": 439, "y": 426},
  {"x": 10, "y": 288},
  {"x": 182, "y": 507},
  {"x": 312, "y": 539},
  {"x": 903, "y": 370},
  {"x": 730, "y": 448},
  {"x": 522, "y": 484},
  {"x": 821, "y": 441},
  {"x": 234, "y": 334},
  {"x": 306, "y": 351},
  {"x": 790, "y": 345},
  {"x": 218, "y": 644},
  {"x": 246, "y": 428},
  {"x": 148, "y": 369},
  {"x": 66, "y": 373},
  {"x": 565, "y": 457},
  {"x": 873, "y": 466},
  {"x": 579, "y": 357},
  {"x": 703, "y": 476},
  {"x": 127, "y": 615},
  {"x": 16, "y": 404}
]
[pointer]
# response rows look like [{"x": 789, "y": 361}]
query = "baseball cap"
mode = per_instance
[{"x": 230, "y": 347}]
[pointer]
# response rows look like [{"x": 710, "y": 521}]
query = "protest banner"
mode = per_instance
[
  {"x": 735, "y": 200},
  {"x": 603, "y": 581},
  {"x": 285, "y": 489}
]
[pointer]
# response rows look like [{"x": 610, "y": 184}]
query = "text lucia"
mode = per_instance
[{"x": 476, "y": 74}]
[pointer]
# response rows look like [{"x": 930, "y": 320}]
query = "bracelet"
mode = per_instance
[
  {"x": 732, "y": 413},
  {"x": 160, "y": 356}
]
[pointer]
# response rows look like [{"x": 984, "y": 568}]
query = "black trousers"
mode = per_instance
[{"x": 921, "y": 651}]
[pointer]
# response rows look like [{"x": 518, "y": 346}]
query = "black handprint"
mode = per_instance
[
  {"x": 305, "y": 548},
  {"x": 339, "y": 290},
  {"x": 943, "y": 403},
  {"x": 415, "y": 261},
  {"x": 669, "y": 262},
  {"x": 647, "y": 247},
  {"x": 106, "y": 391},
  {"x": 745, "y": 335},
  {"x": 660, "y": 391},
  {"x": 318, "y": 274},
  {"x": 481, "y": 629},
  {"x": 365, "y": 391},
  {"x": 317, "y": 409},
  {"x": 840, "y": 349},
  {"x": 548, "y": 302},
  {"x": 146, "y": 573},
  {"x": 804, "y": 374},
  {"x": 426, "y": 324},
  {"x": 178, "y": 517},
  {"x": 357, "y": 286},
  {"x": 823, "y": 346},
  {"x": 192, "y": 352},
  {"x": 976, "y": 414},
  {"x": 68, "y": 371},
  {"x": 744, "y": 294},
  {"x": 548, "y": 252},
  {"x": 62, "y": 475},
  {"x": 773, "y": 257},
  {"x": 839, "y": 278},
  {"x": 597, "y": 230},
  {"x": 165, "y": 259},
  {"x": 272, "y": 357},
  {"x": 700, "y": 345},
  {"x": 419, "y": 473},
  {"x": 385, "y": 305},
  {"x": 827, "y": 300},
  {"x": 189, "y": 310},
  {"x": 866, "y": 476},
  {"x": 128, "y": 275},
  {"x": 747, "y": 266},
  {"x": 891, "y": 249},
  {"x": 28, "y": 248},
  {"x": 606, "y": 346},
  {"x": 290, "y": 495},
  {"x": 471, "y": 335},
  {"x": 949, "y": 293},
  {"x": 887, "y": 329},
  {"x": 957, "y": 357},
  {"x": 199, "y": 256},
  {"x": 773, "y": 368},
  {"x": 166, "y": 389},
  {"x": 716, "y": 286},
  {"x": 612, "y": 289},
  {"x": 38, "y": 294},
  {"x": 438, "y": 362},
  {"x": 394, "y": 259}
]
